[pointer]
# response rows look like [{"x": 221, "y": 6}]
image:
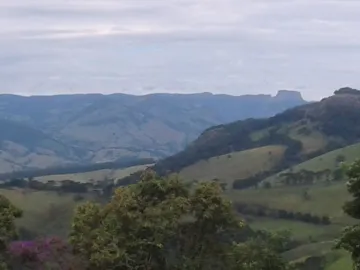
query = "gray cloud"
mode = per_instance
[{"x": 141, "y": 46}]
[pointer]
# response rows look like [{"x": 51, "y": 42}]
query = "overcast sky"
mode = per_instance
[{"x": 141, "y": 46}]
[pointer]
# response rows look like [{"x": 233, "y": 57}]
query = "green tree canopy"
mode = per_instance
[
  {"x": 350, "y": 239},
  {"x": 8, "y": 232},
  {"x": 165, "y": 224}
]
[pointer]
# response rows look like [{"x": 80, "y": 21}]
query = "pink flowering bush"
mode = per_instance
[{"x": 51, "y": 253}]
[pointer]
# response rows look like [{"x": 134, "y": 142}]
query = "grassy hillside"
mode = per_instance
[
  {"x": 95, "y": 176},
  {"x": 24, "y": 147},
  {"x": 45, "y": 213},
  {"x": 236, "y": 165},
  {"x": 321, "y": 199},
  {"x": 304, "y": 132},
  {"x": 316, "y": 239},
  {"x": 329, "y": 161}
]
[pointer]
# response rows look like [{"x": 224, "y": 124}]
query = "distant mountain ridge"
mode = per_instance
[{"x": 88, "y": 128}]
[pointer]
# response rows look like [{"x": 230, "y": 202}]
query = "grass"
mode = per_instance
[
  {"x": 323, "y": 162},
  {"x": 99, "y": 175},
  {"x": 312, "y": 142},
  {"x": 325, "y": 199},
  {"x": 44, "y": 212},
  {"x": 300, "y": 231},
  {"x": 237, "y": 165},
  {"x": 318, "y": 240},
  {"x": 342, "y": 263}
]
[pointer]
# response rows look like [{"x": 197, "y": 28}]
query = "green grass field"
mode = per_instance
[
  {"x": 44, "y": 212},
  {"x": 318, "y": 240},
  {"x": 323, "y": 162},
  {"x": 342, "y": 263},
  {"x": 99, "y": 175},
  {"x": 325, "y": 199},
  {"x": 237, "y": 165}
]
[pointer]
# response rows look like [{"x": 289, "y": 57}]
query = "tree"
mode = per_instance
[
  {"x": 267, "y": 185},
  {"x": 350, "y": 239},
  {"x": 8, "y": 233},
  {"x": 159, "y": 223},
  {"x": 338, "y": 174},
  {"x": 340, "y": 158},
  {"x": 255, "y": 255},
  {"x": 305, "y": 195}
]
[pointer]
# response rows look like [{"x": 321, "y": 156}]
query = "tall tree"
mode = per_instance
[
  {"x": 350, "y": 239},
  {"x": 162, "y": 224},
  {"x": 8, "y": 232}
]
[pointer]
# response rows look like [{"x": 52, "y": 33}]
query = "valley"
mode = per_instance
[
  {"x": 281, "y": 173},
  {"x": 47, "y": 131}
]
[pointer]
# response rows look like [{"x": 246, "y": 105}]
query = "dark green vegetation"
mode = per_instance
[
  {"x": 154, "y": 224},
  {"x": 47, "y": 131},
  {"x": 351, "y": 235}
]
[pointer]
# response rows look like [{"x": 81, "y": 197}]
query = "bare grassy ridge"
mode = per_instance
[
  {"x": 236, "y": 165},
  {"x": 99, "y": 175}
]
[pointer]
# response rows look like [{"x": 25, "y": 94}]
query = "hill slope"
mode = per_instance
[
  {"x": 23, "y": 147},
  {"x": 306, "y": 131},
  {"x": 106, "y": 127}
]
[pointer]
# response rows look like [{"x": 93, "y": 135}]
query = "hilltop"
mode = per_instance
[
  {"x": 303, "y": 132},
  {"x": 43, "y": 131}
]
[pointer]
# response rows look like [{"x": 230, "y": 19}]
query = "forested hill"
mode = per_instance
[{"x": 305, "y": 131}]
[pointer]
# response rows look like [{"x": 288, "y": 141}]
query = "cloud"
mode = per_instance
[{"x": 227, "y": 46}]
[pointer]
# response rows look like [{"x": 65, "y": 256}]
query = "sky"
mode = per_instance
[{"x": 184, "y": 46}]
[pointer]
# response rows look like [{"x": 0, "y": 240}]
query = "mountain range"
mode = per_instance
[{"x": 46, "y": 131}]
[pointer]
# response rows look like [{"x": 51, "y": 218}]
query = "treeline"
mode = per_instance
[
  {"x": 306, "y": 177},
  {"x": 78, "y": 168},
  {"x": 263, "y": 211},
  {"x": 100, "y": 188}
]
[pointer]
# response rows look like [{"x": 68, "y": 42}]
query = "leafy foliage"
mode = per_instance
[
  {"x": 351, "y": 236},
  {"x": 165, "y": 224},
  {"x": 8, "y": 214}
]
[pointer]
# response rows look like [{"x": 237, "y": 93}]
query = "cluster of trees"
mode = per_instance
[
  {"x": 306, "y": 177},
  {"x": 248, "y": 182},
  {"x": 263, "y": 211},
  {"x": 155, "y": 224},
  {"x": 100, "y": 188},
  {"x": 350, "y": 239}
]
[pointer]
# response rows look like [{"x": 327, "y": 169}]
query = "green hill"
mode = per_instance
[
  {"x": 305, "y": 132},
  {"x": 309, "y": 139},
  {"x": 237, "y": 165},
  {"x": 327, "y": 163}
]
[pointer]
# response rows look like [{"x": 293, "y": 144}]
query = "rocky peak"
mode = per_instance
[{"x": 289, "y": 95}]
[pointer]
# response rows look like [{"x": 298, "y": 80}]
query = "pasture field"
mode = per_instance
[
  {"x": 237, "y": 165},
  {"x": 99, "y": 175}
]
